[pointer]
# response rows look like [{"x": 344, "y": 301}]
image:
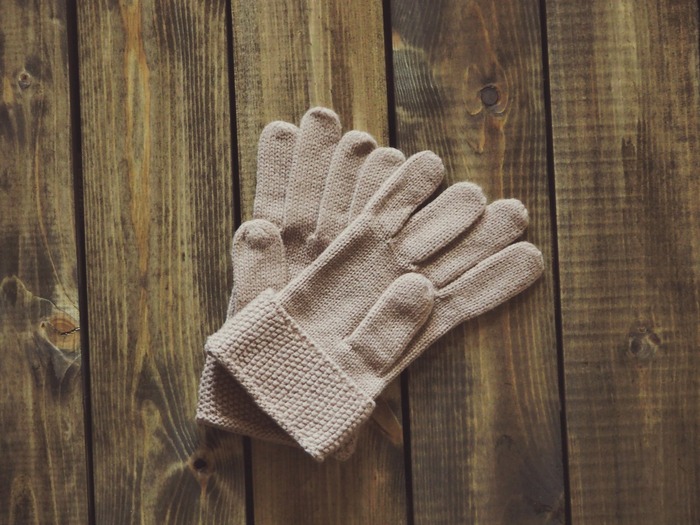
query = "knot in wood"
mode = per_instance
[
  {"x": 24, "y": 80},
  {"x": 490, "y": 95},
  {"x": 199, "y": 464},
  {"x": 643, "y": 343}
]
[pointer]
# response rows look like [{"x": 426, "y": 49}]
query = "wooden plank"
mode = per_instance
[
  {"x": 41, "y": 414},
  {"x": 288, "y": 57},
  {"x": 625, "y": 89},
  {"x": 158, "y": 222},
  {"x": 484, "y": 405}
]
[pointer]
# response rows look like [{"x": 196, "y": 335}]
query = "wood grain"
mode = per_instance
[
  {"x": 484, "y": 403},
  {"x": 41, "y": 415},
  {"x": 158, "y": 222},
  {"x": 288, "y": 57},
  {"x": 484, "y": 410},
  {"x": 625, "y": 87}
]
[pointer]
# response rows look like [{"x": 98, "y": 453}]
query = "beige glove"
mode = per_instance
[
  {"x": 316, "y": 354},
  {"x": 310, "y": 182}
]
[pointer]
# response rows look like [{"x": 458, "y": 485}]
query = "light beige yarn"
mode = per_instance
[
  {"x": 315, "y": 354},
  {"x": 310, "y": 183}
]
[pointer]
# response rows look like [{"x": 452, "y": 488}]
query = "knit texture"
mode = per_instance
[
  {"x": 393, "y": 282},
  {"x": 283, "y": 369},
  {"x": 311, "y": 183}
]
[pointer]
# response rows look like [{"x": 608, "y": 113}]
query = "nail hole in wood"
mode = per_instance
[{"x": 199, "y": 464}]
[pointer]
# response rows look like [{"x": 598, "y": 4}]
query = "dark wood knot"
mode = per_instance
[
  {"x": 490, "y": 95},
  {"x": 199, "y": 464},
  {"x": 24, "y": 80},
  {"x": 642, "y": 342}
]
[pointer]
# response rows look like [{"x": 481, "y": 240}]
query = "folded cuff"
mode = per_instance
[
  {"x": 290, "y": 377},
  {"x": 226, "y": 405}
]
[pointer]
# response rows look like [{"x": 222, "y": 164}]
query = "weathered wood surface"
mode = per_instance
[
  {"x": 484, "y": 403},
  {"x": 159, "y": 197},
  {"x": 289, "y": 56},
  {"x": 43, "y": 475},
  {"x": 158, "y": 222},
  {"x": 625, "y": 87}
]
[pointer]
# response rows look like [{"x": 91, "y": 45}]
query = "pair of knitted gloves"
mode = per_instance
[{"x": 345, "y": 275}]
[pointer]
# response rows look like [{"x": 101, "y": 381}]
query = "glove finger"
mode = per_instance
[
  {"x": 275, "y": 154},
  {"x": 482, "y": 288},
  {"x": 405, "y": 190},
  {"x": 440, "y": 222},
  {"x": 502, "y": 222},
  {"x": 320, "y": 133},
  {"x": 259, "y": 262},
  {"x": 348, "y": 157},
  {"x": 490, "y": 283},
  {"x": 392, "y": 322},
  {"x": 381, "y": 164}
]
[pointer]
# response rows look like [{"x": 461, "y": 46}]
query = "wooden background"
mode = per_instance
[{"x": 128, "y": 133}]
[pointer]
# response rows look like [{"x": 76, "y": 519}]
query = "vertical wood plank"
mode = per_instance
[
  {"x": 484, "y": 403},
  {"x": 158, "y": 221},
  {"x": 625, "y": 89},
  {"x": 290, "y": 56},
  {"x": 43, "y": 477}
]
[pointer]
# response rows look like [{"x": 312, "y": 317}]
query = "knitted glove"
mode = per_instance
[
  {"x": 316, "y": 354},
  {"x": 310, "y": 182}
]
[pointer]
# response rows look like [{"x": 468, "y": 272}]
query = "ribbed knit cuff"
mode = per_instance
[{"x": 290, "y": 377}]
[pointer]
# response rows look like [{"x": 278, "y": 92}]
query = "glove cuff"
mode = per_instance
[
  {"x": 290, "y": 377},
  {"x": 225, "y": 405}
]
